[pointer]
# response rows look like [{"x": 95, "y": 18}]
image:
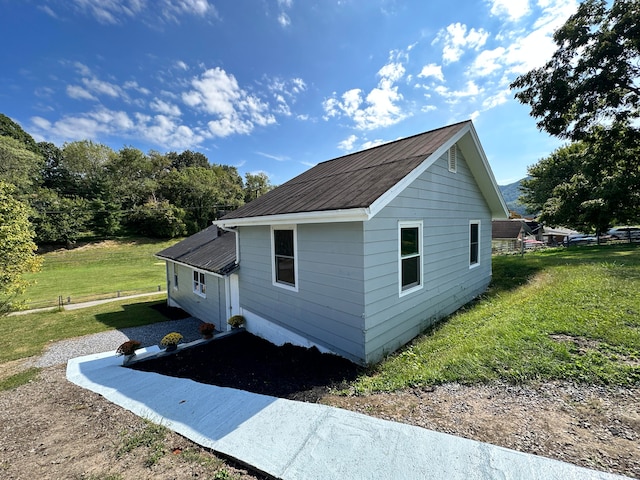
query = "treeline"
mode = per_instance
[{"x": 87, "y": 189}]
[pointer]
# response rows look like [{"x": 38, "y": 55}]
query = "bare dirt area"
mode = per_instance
[{"x": 51, "y": 428}]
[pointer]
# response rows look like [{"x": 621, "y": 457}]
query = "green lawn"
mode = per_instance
[
  {"x": 561, "y": 314},
  {"x": 98, "y": 270},
  {"x": 27, "y": 335}
]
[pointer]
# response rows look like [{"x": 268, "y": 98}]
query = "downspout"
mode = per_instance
[{"x": 227, "y": 278}]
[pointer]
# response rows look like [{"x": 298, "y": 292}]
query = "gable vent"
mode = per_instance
[{"x": 453, "y": 159}]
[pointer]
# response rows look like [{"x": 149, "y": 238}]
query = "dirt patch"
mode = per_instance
[{"x": 53, "y": 429}]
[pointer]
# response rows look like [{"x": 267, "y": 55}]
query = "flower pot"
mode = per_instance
[
  {"x": 127, "y": 358},
  {"x": 172, "y": 347}
]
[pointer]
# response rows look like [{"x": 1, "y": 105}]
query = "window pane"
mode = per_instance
[
  {"x": 473, "y": 243},
  {"x": 409, "y": 241},
  {"x": 284, "y": 270},
  {"x": 410, "y": 272},
  {"x": 283, "y": 240}
]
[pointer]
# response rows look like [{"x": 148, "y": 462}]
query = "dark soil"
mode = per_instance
[
  {"x": 246, "y": 362},
  {"x": 171, "y": 313}
]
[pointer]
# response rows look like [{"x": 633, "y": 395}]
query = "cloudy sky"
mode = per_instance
[{"x": 276, "y": 85}]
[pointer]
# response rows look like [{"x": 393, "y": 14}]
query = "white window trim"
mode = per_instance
[
  {"x": 474, "y": 222},
  {"x": 198, "y": 291},
  {"x": 452, "y": 159},
  {"x": 410, "y": 224},
  {"x": 286, "y": 286}
]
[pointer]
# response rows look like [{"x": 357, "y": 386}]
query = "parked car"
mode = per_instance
[
  {"x": 580, "y": 240},
  {"x": 625, "y": 233}
]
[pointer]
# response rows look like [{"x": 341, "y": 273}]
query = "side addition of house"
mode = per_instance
[{"x": 357, "y": 255}]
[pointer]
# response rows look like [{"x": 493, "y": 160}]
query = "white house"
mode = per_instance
[{"x": 357, "y": 255}]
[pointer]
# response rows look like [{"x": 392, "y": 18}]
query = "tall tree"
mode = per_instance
[
  {"x": 187, "y": 159},
  {"x": 203, "y": 192},
  {"x": 592, "y": 78},
  {"x": 86, "y": 163},
  {"x": 18, "y": 165},
  {"x": 255, "y": 185},
  {"x": 9, "y": 128},
  {"x": 590, "y": 92},
  {"x": 17, "y": 249}
]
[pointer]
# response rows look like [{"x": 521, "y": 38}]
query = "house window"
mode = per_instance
[
  {"x": 410, "y": 258},
  {"x": 175, "y": 277},
  {"x": 474, "y": 243},
  {"x": 453, "y": 159},
  {"x": 284, "y": 246},
  {"x": 199, "y": 284}
]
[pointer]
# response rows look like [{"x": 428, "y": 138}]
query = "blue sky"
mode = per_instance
[{"x": 276, "y": 85}]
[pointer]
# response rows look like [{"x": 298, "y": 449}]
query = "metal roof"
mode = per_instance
[
  {"x": 352, "y": 181},
  {"x": 205, "y": 250}
]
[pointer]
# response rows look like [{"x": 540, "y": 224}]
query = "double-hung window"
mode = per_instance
[
  {"x": 410, "y": 258},
  {"x": 474, "y": 243},
  {"x": 284, "y": 246},
  {"x": 199, "y": 283}
]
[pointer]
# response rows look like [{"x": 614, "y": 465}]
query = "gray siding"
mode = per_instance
[
  {"x": 328, "y": 307},
  {"x": 212, "y": 309},
  {"x": 445, "y": 202}
]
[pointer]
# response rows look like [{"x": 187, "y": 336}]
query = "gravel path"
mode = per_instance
[{"x": 60, "y": 352}]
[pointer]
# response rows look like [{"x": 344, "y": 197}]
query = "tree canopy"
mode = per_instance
[
  {"x": 86, "y": 188},
  {"x": 17, "y": 249},
  {"x": 589, "y": 93},
  {"x": 592, "y": 78}
]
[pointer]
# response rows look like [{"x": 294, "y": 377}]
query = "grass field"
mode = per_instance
[
  {"x": 98, "y": 270},
  {"x": 570, "y": 314}
]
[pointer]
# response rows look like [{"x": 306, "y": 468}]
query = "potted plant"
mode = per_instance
[
  {"x": 236, "y": 321},
  {"x": 128, "y": 350},
  {"x": 206, "y": 329},
  {"x": 170, "y": 341}
]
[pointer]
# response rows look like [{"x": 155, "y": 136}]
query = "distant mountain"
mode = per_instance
[{"x": 511, "y": 193}]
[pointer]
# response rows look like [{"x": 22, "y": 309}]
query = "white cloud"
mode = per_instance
[
  {"x": 165, "y": 108},
  {"x": 497, "y": 99},
  {"x": 132, "y": 85},
  {"x": 112, "y": 12},
  {"x": 101, "y": 87},
  {"x": 284, "y": 20},
  {"x": 533, "y": 50},
  {"x": 347, "y": 144},
  {"x": 453, "y": 96},
  {"x": 512, "y": 9},
  {"x": 182, "y": 65},
  {"x": 432, "y": 70},
  {"x": 79, "y": 93},
  {"x": 457, "y": 39},
  {"x": 277, "y": 158},
  {"x": 379, "y": 108},
  {"x": 487, "y": 62},
  {"x": 235, "y": 110}
]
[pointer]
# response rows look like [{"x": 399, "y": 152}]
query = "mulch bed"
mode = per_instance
[
  {"x": 250, "y": 363},
  {"x": 171, "y": 313}
]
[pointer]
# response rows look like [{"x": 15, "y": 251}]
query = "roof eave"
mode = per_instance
[{"x": 324, "y": 216}]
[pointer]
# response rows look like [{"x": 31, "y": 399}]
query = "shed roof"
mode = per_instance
[
  {"x": 360, "y": 181},
  {"x": 205, "y": 250},
  {"x": 511, "y": 228}
]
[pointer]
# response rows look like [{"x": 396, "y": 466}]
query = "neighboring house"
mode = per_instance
[
  {"x": 357, "y": 255},
  {"x": 508, "y": 235}
]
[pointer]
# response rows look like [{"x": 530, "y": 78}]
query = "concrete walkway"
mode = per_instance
[{"x": 296, "y": 440}]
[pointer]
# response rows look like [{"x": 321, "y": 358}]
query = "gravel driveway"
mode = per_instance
[{"x": 60, "y": 352}]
